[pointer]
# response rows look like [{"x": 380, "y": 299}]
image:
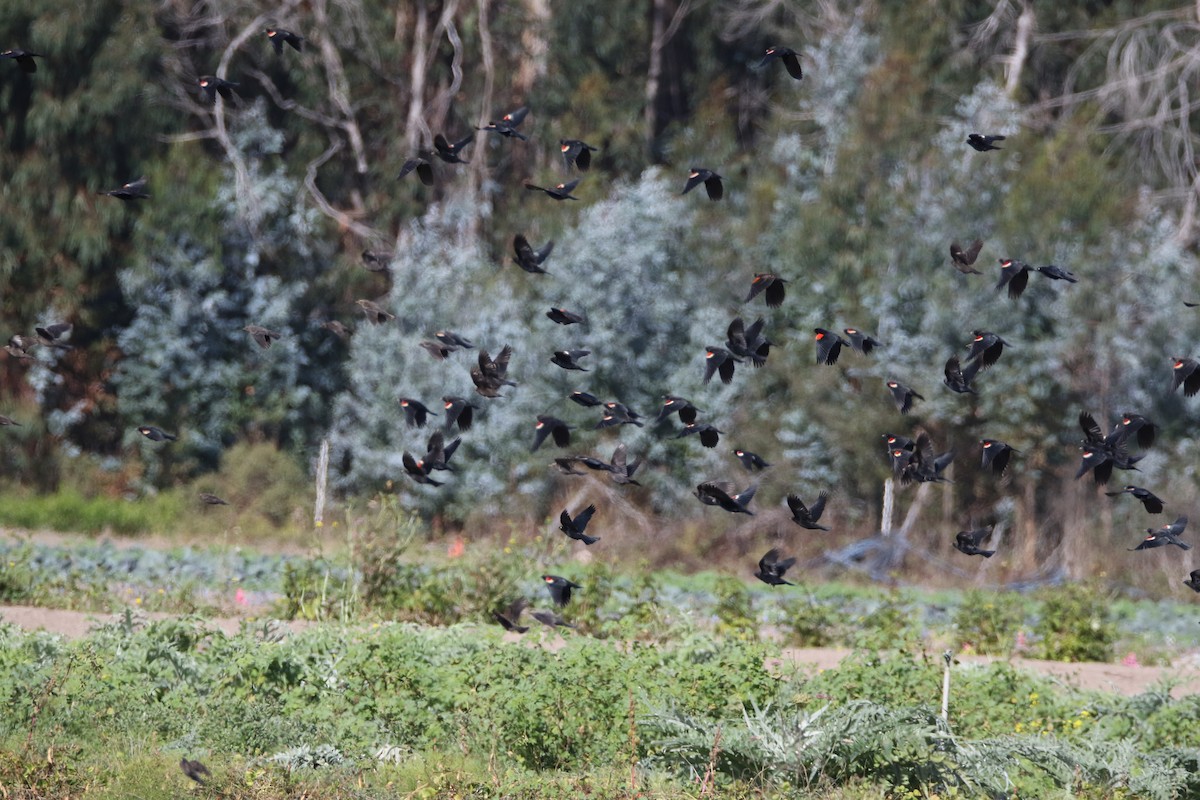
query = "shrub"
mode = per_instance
[
  {"x": 1076, "y": 624},
  {"x": 988, "y": 622}
]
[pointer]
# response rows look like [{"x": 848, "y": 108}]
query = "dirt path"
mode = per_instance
[{"x": 1117, "y": 678}]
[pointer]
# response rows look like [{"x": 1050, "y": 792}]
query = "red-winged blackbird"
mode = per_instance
[
  {"x": 560, "y": 192},
  {"x": 506, "y": 126},
  {"x": 619, "y": 469},
  {"x": 1014, "y": 274},
  {"x": 584, "y": 399},
  {"x": 789, "y": 57},
  {"x": 902, "y": 396},
  {"x": 560, "y": 589},
  {"x": 711, "y": 180},
  {"x": 550, "y": 619},
  {"x": 1144, "y": 428},
  {"x": 720, "y": 494},
  {"x": 51, "y": 334},
  {"x": 134, "y": 190},
  {"x": 211, "y": 500},
  {"x": 986, "y": 348},
  {"x": 1057, "y": 273},
  {"x": 459, "y": 411},
  {"x": 576, "y": 154},
  {"x": 529, "y": 259},
  {"x": 510, "y": 617},
  {"x": 894, "y": 442},
  {"x": 718, "y": 359},
  {"x": 418, "y": 470},
  {"x": 673, "y": 404},
  {"x": 263, "y": 337},
  {"x": 1097, "y": 459},
  {"x": 959, "y": 379},
  {"x": 748, "y": 342},
  {"x": 753, "y": 462},
  {"x": 24, "y": 59},
  {"x": 709, "y": 435},
  {"x": 1102, "y": 453},
  {"x": 451, "y": 153},
  {"x": 771, "y": 568},
  {"x": 212, "y": 86},
  {"x": 768, "y": 282},
  {"x": 422, "y": 167},
  {"x": 454, "y": 339},
  {"x": 996, "y": 455},
  {"x": 861, "y": 341},
  {"x": 807, "y": 517},
  {"x": 829, "y": 346},
  {"x": 437, "y": 349},
  {"x": 1167, "y": 534},
  {"x": 964, "y": 259},
  {"x": 1187, "y": 375},
  {"x": 279, "y": 36},
  {"x": 489, "y": 376},
  {"x": 983, "y": 143},
  {"x": 968, "y": 542},
  {"x": 568, "y": 359},
  {"x": 438, "y": 453},
  {"x": 375, "y": 313},
  {"x": 1192, "y": 581},
  {"x": 619, "y": 414},
  {"x": 6, "y": 421},
  {"x": 574, "y": 528},
  {"x": 1152, "y": 503},
  {"x": 563, "y": 317},
  {"x": 922, "y": 466},
  {"x": 156, "y": 434},
  {"x": 551, "y": 426},
  {"x": 415, "y": 412},
  {"x": 194, "y": 769}
]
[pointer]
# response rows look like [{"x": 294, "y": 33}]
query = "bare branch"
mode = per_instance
[{"x": 342, "y": 218}]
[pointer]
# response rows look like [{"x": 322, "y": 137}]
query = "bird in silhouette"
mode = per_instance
[
  {"x": 963, "y": 260},
  {"x": 438, "y": 453},
  {"x": 718, "y": 359},
  {"x": 566, "y": 465},
  {"x": 711, "y": 180},
  {"x": 983, "y": 142},
  {"x": 507, "y": 125},
  {"x": 574, "y": 528},
  {"x": 1192, "y": 581},
  {"x": 52, "y": 334},
  {"x": 529, "y": 259},
  {"x": 807, "y": 517},
  {"x": 562, "y": 316},
  {"x": 550, "y": 426},
  {"x": 1153, "y": 504},
  {"x": 416, "y": 413},
  {"x": 986, "y": 348},
  {"x": 279, "y": 37},
  {"x": 569, "y": 359},
  {"x": 770, "y": 283},
  {"x": 619, "y": 414},
  {"x": 996, "y": 455},
  {"x": 620, "y": 470},
  {"x": 709, "y": 435},
  {"x": 451, "y": 153},
  {"x": 894, "y": 442},
  {"x": 156, "y": 434},
  {"x": 720, "y": 494},
  {"x": 510, "y": 616},
  {"x": 560, "y": 589},
  {"x": 211, "y": 500},
  {"x": 753, "y": 462},
  {"x": 419, "y": 165},
  {"x": 211, "y": 85},
  {"x": 902, "y": 396},
  {"x": 459, "y": 411},
  {"x": 134, "y": 190},
  {"x": 771, "y": 568},
  {"x": 24, "y": 59},
  {"x": 576, "y": 154},
  {"x": 1167, "y": 534},
  {"x": 958, "y": 378},
  {"x": 789, "y": 57},
  {"x": 1057, "y": 273},
  {"x": 438, "y": 350},
  {"x": 263, "y": 337},
  {"x": 860, "y": 341},
  {"x": 922, "y": 466},
  {"x": 829, "y": 346},
  {"x": 1014, "y": 275},
  {"x": 968, "y": 542},
  {"x": 489, "y": 375},
  {"x": 550, "y": 619},
  {"x": 1132, "y": 424},
  {"x": 418, "y": 470},
  {"x": 1186, "y": 375},
  {"x": 673, "y": 404},
  {"x": 374, "y": 312},
  {"x": 560, "y": 192},
  {"x": 194, "y": 769},
  {"x": 749, "y": 342},
  {"x": 584, "y": 399},
  {"x": 454, "y": 339}
]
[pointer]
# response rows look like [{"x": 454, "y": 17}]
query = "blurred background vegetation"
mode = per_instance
[{"x": 850, "y": 184}]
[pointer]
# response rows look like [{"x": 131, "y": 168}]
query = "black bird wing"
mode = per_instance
[
  {"x": 965, "y": 257},
  {"x": 714, "y": 187},
  {"x": 1092, "y": 433},
  {"x": 695, "y": 178},
  {"x": 584, "y": 517}
]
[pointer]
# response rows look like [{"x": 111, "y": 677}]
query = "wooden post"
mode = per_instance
[
  {"x": 322, "y": 479},
  {"x": 889, "y": 500}
]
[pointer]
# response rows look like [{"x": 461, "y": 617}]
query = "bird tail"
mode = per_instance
[{"x": 987, "y": 553}]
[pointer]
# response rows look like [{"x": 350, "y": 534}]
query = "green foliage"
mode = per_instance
[
  {"x": 988, "y": 622},
  {"x": 68, "y": 511},
  {"x": 1076, "y": 624}
]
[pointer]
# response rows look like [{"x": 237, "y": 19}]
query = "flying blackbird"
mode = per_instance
[
  {"x": 1057, "y": 273},
  {"x": 566, "y": 465},
  {"x": 1167, "y": 534},
  {"x": 568, "y": 359},
  {"x": 529, "y": 259},
  {"x": 18, "y": 346},
  {"x": 584, "y": 399},
  {"x": 619, "y": 470},
  {"x": 438, "y": 453},
  {"x": 560, "y": 589},
  {"x": 451, "y": 153},
  {"x": 829, "y": 346},
  {"x": 24, "y": 59},
  {"x": 921, "y": 466},
  {"x": 507, "y": 125},
  {"x": 459, "y": 411},
  {"x": 902, "y": 459},
  {"x": 903, "y": 396},
  {"x": 156, "y": 434},
  {"x": 748, "y": 342},
  {"x": 959, "y": 379},
  {"x": 807, "y": 517},
  {"x": 673, "y": 404},
  {"x": 1153, "y": 504},
  {"x": 437, "y": 349},
  {"x": 1015, "y": 274},
  {"x": 619, "y": 414},
  {"x": 422, "y": 167},
  {"x": 51, "y": 334},
  {"x": 1097, "y": 459},
  {"x": 1091, "y": 430},
  {"x": 964, "y": 259},
  {"x": 996, "y": 455},
  {"x": 709, "y": 435},
  {"x": 550, "y": 619},
  {"x": 6, "y": 421},
  {"x": 551, "y": 426},
  {"x": 1192, "y": 581},
  {"x": 212, "y": 86},
  {"x": 194, "y": 769},
  {"x": 593, "y": 463},
  {"x": 1187, "y": 375},
  {"x": 375, "y": 313},
  {"x": 489, "y": 376},
  {"x": 211, "y": 500},
  {"x": 134, "y": 190},
  {"x": 336, "y": 328},
  {"x": 263, "y": 337},
  {"x": 894, "y": 442},
  {"x": 576, "y": 154},
  {"x": 560, "y": 192},
  {"x": 719, "y": 359},
  {"x": 772, "y": 284},
  {"x": 415, "y": 412},
  {"x": 968, "y": 542},
  {"x": 574, "y": 528},
  {"x": 510, "y": 617},
  {"x": 418, "y": 470},
  {"x": 563, "y": 317},
  {"x": 985, "y": 347},
  {"x": 861, "y": 341},
  {"x": 789, "y": 57},
  {"x": 279, "y": 36},
  {"x": 1144, "y": 428},
  {"x": 454, "y": 339},
  {"x": 983, "y": 143},
  {"x": 771, "y": 568},
  {"x": 711, "y": 180},
  {"x": 718, "y": 494},
  {"x": 753, "y": 462}
]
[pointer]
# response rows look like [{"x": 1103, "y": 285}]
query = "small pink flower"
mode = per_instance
[
  {"x": 239, "y": 597},
  {"x": 457, "y": 547},
  {"x": 1022, "y": 642},
  {"x": 1130, "y": 660}
]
